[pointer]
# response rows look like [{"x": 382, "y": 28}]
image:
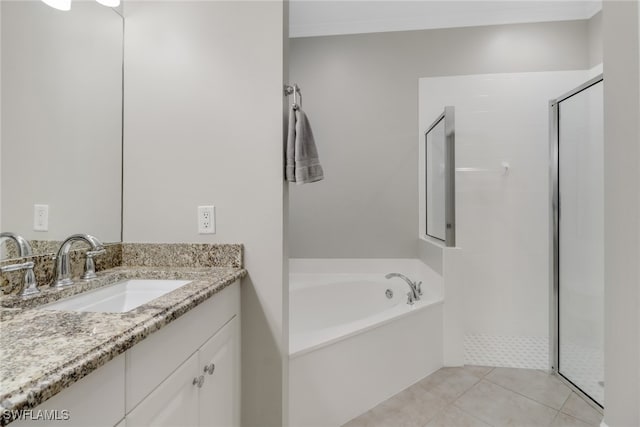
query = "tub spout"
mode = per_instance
[{"x": 416, "y": 291}]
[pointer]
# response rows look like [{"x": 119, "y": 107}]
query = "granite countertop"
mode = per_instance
[{"x": 44, "y": 351}]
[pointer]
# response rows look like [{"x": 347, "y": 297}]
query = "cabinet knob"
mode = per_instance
[
  {"x": 198, "y": 381},
  {"x": 210, "y": 368}
]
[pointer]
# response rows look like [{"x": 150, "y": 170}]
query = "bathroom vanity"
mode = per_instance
[
  {"x": 197, "y": 379},
  {"x": 174, "y": 360}
]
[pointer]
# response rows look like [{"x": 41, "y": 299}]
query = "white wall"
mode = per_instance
[
  {"x": 361, "y": 95},
  {"x": 498, "y": 277},
  {"x": 204, "y": 125},
  {"x": 61, "y": 119},
  {"x": 622, "y": 212},
  {"x": 594, "y": 31}
]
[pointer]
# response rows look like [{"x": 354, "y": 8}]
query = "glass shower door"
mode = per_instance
[{"x": 579, "y": 238}]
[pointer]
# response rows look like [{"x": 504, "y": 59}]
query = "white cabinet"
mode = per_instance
[
  {"x": 96, "y": 400},
  {"x": 172, "y": 403},
  {"x": 220, "y": 394},
  {"x": 204, "y": 390}
]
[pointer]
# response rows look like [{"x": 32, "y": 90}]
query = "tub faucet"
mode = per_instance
[
  {"x": 24, "y": 248},
  {"x": 63, "y": 268},
  {"x": 416, "y": 288}
]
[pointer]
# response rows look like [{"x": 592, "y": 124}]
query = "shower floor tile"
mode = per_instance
[{"x": 483, "y": 396}]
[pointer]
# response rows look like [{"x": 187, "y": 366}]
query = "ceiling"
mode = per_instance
[{"x": 308, "y": 18}]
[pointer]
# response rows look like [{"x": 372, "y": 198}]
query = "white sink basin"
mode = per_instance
[{"x": 119, "y": 297}]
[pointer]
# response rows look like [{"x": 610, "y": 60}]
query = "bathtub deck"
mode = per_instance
[{"x": 483, "y": 396}]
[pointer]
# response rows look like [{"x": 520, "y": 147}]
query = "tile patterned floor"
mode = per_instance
[
  {"x": 477, "y": 396},
  {"x": 507, "y": 351}
]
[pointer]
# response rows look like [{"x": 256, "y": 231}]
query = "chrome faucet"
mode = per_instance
[
  {"x": 24, "y": 248},
  {"x": 416, "y": 288},
  {"x": 63, "y": 268},
  {"x": 29, "y": 285}
]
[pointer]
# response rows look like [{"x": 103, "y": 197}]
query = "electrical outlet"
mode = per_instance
[
  {"x": 41, "y": 217},
  {"x": 206, "y": 219}
]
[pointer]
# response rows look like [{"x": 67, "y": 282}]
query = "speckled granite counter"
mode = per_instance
[{"x": 42, "y": 352}]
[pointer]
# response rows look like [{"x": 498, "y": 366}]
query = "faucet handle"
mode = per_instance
[
  {"x": 419, "y": 287},
  {"x": 30, "y": 286},
  {"x": 89, "y": 264},
  {"x": 16, "y": 267},
  {"x": 410, "y": 298}
]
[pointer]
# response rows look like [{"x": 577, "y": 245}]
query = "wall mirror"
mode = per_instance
[
  {"x": 439, "y": 140},
  {"x": 61, "y": 123}
]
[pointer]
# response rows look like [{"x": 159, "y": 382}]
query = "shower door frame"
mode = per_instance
[
  {"x": 448, "y": 117},
  {"x": 554, "y": 182}
]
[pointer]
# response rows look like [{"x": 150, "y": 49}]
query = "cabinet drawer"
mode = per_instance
[
  {"x": 96, "y": 400},
  {"x": 149, "y": 362}
]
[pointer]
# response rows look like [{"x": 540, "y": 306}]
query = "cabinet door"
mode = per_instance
[
  {"x": 220, "y": 394},
  {"x": 146, "y": 369},
  {"x": 173, "y": 403}
]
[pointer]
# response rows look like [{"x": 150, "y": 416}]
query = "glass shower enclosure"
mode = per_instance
[{"x": 577, "y": 219}]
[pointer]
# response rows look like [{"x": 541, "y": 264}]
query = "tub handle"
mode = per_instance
[
  {"x": 410, "y": 298},
  {"x": 419, "y": 287}
]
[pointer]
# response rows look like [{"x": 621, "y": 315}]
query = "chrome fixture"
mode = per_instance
[
  {"x": 416, "y": 287},
  {"x": 210, "y": 368},
  {"x": 389, "y": 293},
  {"x": 297, "y": 94},
  {"x": 63, "y": 268},
  {"x": 504, "y": 169},
  {"x": 29, "y": 287},
  {"x": 24, "y": 248},
  {"x": 198, "y": 381}
]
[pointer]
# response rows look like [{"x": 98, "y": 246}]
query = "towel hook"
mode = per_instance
[
  {"x": 295, "y": 91},
  {"x": 297, "y": 96}
]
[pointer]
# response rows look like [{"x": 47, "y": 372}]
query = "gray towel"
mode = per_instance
[{"x": 303, "y": 165}]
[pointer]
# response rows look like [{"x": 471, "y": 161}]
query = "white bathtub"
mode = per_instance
[{"x": 351, "y": 347}]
